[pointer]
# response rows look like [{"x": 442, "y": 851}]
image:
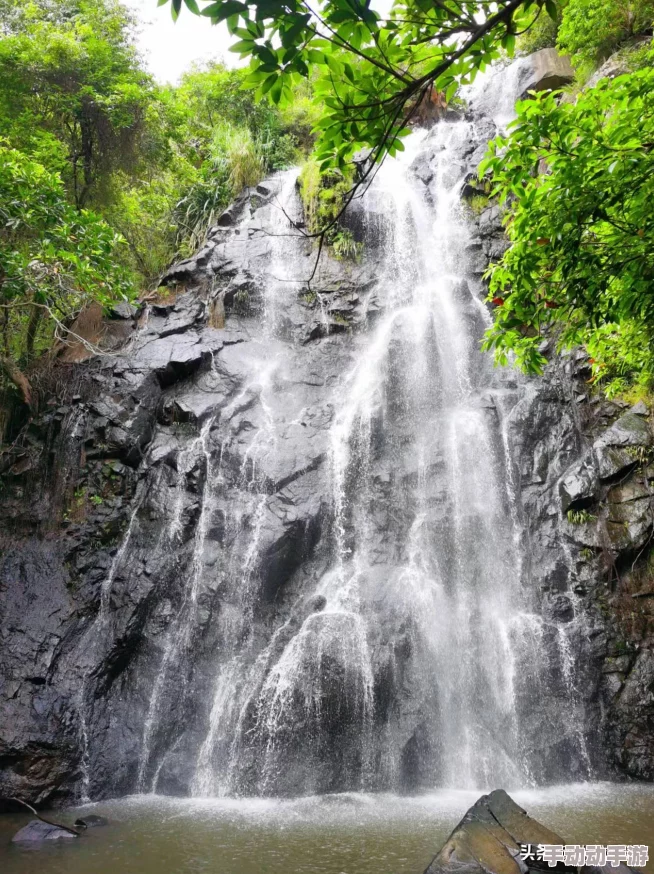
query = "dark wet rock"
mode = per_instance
[
  {"x": 421, "y": 167},
  {"x": 91, "y": 820},
  {"x": 640, "y": 409},
  {"x": 124, "y": 310},
  {"x": 579, "y": 485},
  {"x": 37, "y": 831},
  {"x": 490, "y": 221},
  {"x": 488, "y": 837},
  {"x": 630, "y": 725},
  {"x": 618, "y": 449}
]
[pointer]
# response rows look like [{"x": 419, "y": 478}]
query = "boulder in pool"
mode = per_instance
[
  {"x": 36, "y": 831},
  {"x": 91, "y": 821},
  {"x": 487, "y": 839}
]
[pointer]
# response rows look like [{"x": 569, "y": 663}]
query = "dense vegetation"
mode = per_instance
[
  {"x": 107, "y": 176},
  {"x": 576, "y": 178},
  {"x": 579, "y": 180}
]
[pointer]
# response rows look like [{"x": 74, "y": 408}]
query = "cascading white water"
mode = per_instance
[
  {"x": 408, "y": 655},
  {"x": 456, "y": 582}
]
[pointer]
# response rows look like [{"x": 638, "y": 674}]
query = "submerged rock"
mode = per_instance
[
  {"x": 36, "y": 831},
  {"x": 91, "y": 821}
]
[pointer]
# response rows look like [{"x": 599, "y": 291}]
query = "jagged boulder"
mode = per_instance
[
  {"x": 625, "y": 443},
  {"x": 546, "y": 70},
  {"x": 488, "y": 839},
  {"x": 620, "y": 448}
]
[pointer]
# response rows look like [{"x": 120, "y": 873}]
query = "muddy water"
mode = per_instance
[{"x": 342, "y": 834}]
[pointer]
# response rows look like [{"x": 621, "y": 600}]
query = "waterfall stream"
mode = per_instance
[{"x": 424, "y": 593}]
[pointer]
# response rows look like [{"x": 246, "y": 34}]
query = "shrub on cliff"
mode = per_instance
[
  {"x": 54, "y": 259},
  {"x": 577, "y": 181}
]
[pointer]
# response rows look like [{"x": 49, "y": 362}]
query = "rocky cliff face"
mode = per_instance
[
  {"x": 171, "y": 510},
  {"x": 586, "y": 481}
]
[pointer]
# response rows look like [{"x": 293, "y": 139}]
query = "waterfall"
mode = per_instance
[{"x": 409, "y": 650}]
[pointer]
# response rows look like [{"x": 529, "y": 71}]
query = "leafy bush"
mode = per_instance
[
  {"x": 592, "y": 29},
  {"x": 55, "y": 259},
  {"x": 344, "y": 246},
  {"x": 542, "y": 35},
  {"x": 577, "y": 182}
]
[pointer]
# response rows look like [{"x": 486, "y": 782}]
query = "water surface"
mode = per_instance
[{"x": 339, "y": 834}]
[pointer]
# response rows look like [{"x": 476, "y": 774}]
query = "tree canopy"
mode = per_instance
[
  {"x": 371, "y": 70},
  {"x": 73, "y": 90},
  {"x": 53, "y": 260}
]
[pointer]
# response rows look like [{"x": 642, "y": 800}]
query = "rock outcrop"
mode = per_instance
[
  {"x": 118, "y": 446},
  {"x": 488, "y": 841},
  {"x": 546, "y": 70},
  {"x": 488, "y": 838}
]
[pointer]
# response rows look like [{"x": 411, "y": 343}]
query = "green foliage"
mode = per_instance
[
  {"x": 577, "y": 182},
  {"x": 541, "y": 35},
  {"x": 344, "y": 246},
  {"x": 324, "y": 196},
  {"x": 246, "y": 165},
  {"x": 592, "y": 29},
  {"x": 158, "y": 163},
  {"x": 370, "y": 71},
  {"x": 54, "y": 258},
  {"x": 478, "y": 203},
  {"x": 640, "y": 454},
  {"x": 580, "y": 517},
  {"x": 73, "y": 93}
]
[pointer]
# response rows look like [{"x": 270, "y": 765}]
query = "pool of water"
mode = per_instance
[{"x": 337, "y": 834}]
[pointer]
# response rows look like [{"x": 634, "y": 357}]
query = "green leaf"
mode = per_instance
[
  {"x": 552, "y": 10},
  {"x": 268, "y": 84},
  {"x": 276, "y": 90},
  {"x": 242, "y": 47},
  {"x": 223, "y": 9}
]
